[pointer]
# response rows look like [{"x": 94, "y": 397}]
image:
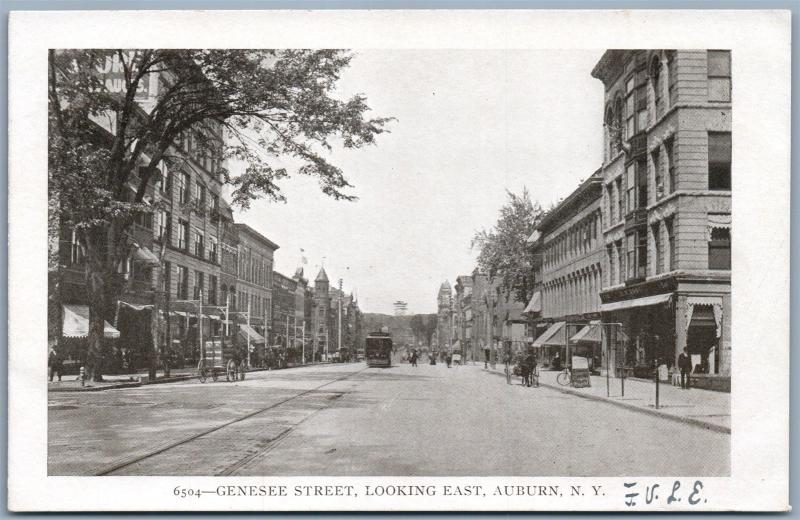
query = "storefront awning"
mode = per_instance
[
  {"x": 637, "y": 302},
  {"x": 144, "y": 255},
  {"x": 552, "y": 336},
  {"x": 591, "y": 333},
  {"x": 535, "y": 305},
  {"x": 76, "y": 323},
  {"x": 135, "y": 306},
  {"x": 255, "y": 337}
]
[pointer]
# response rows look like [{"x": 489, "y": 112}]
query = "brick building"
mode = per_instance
[
  {"x": 667, "y": 205},
  {"x": 569, "y": 244},
  {"x": 254, "y": 280},
  {"x": 284, "y": 319},
  {"x": 462, "y": 309}
]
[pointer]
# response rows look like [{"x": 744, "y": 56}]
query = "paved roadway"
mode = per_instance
[{"x": 347, "y": 419}]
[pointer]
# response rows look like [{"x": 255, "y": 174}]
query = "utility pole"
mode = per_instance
[
  {"x": 339, "y": 341},
  {"x": 248, "y": 331},
  {"x": 304, "y": 341},
  {"x": 200, "y": 323}
]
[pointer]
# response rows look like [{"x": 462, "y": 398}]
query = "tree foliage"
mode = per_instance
[
  {"x": 504, "y": 251},
  {"x": 423, "y": 326},
  {"x": 272, "y": 107}
]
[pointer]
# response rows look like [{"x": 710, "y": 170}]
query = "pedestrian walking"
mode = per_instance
[
  {"x": 413, "y": 358},
  {"x": 449, "y": 359},
  {"x": 55, "y": 363},
  {"x": 486, "y": 358},
  {"x": 685, "y": 366}
]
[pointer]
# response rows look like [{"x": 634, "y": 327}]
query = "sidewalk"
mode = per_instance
[
  {"x": 70, "y": 383},
  {"x": 705, "y": 408}
]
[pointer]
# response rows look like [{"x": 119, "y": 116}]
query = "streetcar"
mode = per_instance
[{"x": 379, "y": 348}]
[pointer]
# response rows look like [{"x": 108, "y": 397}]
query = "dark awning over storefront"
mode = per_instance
[
  {"x": 535, "y": 305},
  {"x": 255, "y": 337},
  {"x": 552, "y": 336},
  {"x": 637, "y": 302},
  {"x": 589, "y": 334}
]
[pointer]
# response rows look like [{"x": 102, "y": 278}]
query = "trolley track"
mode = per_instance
[{"x": 119, "y": 465}]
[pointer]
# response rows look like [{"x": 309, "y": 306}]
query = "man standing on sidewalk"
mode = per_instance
[
  {"x": 685, "y": 366},
  {"x": 55, "y": 363}
]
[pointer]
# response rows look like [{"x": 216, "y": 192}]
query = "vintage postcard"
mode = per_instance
[{"x": 399, "y": 260}]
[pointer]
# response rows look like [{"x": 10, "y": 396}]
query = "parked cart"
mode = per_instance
[{"x": 218, "y": 357}]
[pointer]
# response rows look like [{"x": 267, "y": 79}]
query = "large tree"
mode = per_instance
[
  {"x": 423, "y": 326},
  {"x": 504, "y": 251},
  {"x": 275, "y": 107}
]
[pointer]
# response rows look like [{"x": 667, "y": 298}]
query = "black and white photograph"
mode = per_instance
[{"x": 442, "y": 262}]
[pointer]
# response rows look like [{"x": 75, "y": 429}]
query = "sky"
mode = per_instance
[{"x": 470, "y": 125}]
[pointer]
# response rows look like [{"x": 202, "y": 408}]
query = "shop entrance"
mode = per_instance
[{"x": 702, "y": 341}]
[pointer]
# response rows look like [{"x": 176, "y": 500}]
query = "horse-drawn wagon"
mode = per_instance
[{"x": 222, "y": 357}]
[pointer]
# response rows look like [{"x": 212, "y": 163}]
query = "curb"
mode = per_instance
[
  {"x": 132, "y": 384},
  {"x": 677, "y": 418},
  {"x": 172, "y": 379}
]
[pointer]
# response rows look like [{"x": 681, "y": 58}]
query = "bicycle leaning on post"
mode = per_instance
[{"x": 565, "y": 377}]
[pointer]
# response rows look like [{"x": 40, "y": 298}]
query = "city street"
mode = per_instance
[{"x": 347, "y": 419}]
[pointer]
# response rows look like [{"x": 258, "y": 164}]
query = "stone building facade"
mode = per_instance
[
  {"x": 667, "y": 206},
  {"x": 321, "y": 315},
  {"x": 444, "y": 324}
]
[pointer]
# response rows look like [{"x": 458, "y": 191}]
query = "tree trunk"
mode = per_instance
[{"x": 96, "y": 289}]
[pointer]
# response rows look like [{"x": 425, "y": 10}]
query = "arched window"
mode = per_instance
[
  {"x": 672, "y": 76},
  {"x": 611, "y": 141},
  {"x": 619, "y": 120},
  {"x": 656, "y": 80}
]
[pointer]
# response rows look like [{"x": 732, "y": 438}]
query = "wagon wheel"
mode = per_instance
[
  {"x": 242, "y": 369},
  {"x": 214, "y": 374},
  {"x": 201, "y": 371},
  {"x": 230, "y": 371}
]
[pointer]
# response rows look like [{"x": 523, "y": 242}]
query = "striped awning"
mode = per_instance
[
  {"x": 246, "y": 331},
  {"x": 636, "y": 302},
  {"x": 553, "y": 336},
  {"x": 591, "y": 333},
  {"x": 76, "y": 323},
  {"x": 535, "y": 305}
]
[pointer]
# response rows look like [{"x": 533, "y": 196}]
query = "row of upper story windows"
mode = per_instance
[
  {"x": 207, "y": 293},
  {"x": 653, "y": 176},
  {"x": 203, "y": 148},
  {"x": 577, "y": 240},
  {"x": 650, "y": 90},
  {"x": 189, "y": 190},
  {"x": 190, "y": 241},
  {"x": 254, "y": 268},
  {"x": 628, "y": 259}
]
